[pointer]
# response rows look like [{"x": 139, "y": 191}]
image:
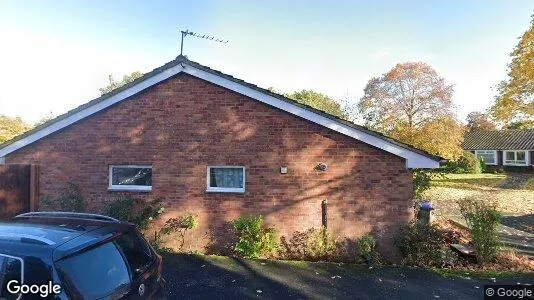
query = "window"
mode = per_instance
[
  {"x": 488, "y": 156},
  {"x": 130, "y": 178},
  {"x": 96, "y": 273},
  {"x": 136, "y": 251},
  {"x": 10, "y": 269},
  {"x": 226, "y": 179},
  {"x": 515, "y": 158}
]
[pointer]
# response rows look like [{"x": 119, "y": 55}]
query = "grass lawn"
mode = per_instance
[
  {"x": 484, "y": 181},
  {"x": 512, "y": 193}
]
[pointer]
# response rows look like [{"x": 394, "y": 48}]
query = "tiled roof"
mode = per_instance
[{"x": 500, "y": 140}]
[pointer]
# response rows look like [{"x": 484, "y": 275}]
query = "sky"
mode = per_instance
[{"x": 55, "y": 55}]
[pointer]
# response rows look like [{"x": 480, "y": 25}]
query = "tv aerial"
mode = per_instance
[{"x": 198, "y": 35}]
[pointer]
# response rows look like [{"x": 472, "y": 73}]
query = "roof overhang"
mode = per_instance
[{"x": 413, "y": 158}]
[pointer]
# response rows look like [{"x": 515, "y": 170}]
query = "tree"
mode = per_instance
[
  {"x": 477, "y": 121},
  {"x": 514, "y": 103},
  {"x": 125, "y": 80},
  {"x": 11, "y": 127},
  {"x": 319, "y": 101},
  {"x": 412, "y": 104},
  {"x": 49, "y": 116}
]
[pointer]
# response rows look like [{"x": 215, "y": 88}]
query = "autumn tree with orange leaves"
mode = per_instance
[{"x": 412, "y": 103}]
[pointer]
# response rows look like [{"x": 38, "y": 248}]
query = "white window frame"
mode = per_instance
[
  {"x": 135, "y": 188},
  {"x": 495, "y": 158},
  {"x": 224, "y": 189},
  {"x": 527, "y": 158}
]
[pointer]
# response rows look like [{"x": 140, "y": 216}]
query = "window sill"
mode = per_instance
[
  {"x": 515, "y": 165},
  {"x": 225, "y": 190},
  {"x": 143, "y": 189}
]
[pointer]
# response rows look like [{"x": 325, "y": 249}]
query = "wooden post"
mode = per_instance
[{"x": 34, "y": 187}]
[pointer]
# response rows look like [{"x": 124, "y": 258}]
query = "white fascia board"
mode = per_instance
[
  {"x": 91, "y": 109},
  {"x": 413, "y": 159}
]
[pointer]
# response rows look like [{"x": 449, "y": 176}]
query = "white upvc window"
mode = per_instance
[
  {"x": 130, "y": 178},
  {"x": 225, "y": 179},
  {"x": 488, "y": 156},
  {"x": 515, "y": 157}
]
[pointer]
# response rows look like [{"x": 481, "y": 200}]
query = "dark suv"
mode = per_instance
[{"x": 75, "y": 256}]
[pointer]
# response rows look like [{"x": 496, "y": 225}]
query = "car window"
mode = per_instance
[
  {"x": 97, "y": 272},
  {"x": 10, "y": 269},
  {"x": 136, "y": 251}
]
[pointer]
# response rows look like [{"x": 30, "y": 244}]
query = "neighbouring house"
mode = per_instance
[
  {"x": 218, "y": 147},
  {"x": 513, "y": 149}
]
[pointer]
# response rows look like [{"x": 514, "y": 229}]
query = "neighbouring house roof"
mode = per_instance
[
  {"x": 415, "y": 158},
  {"x": 499, "y": 140}
]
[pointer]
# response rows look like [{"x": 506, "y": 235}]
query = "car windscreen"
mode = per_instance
[
  {"x": 95, "y": 273},
  {"x": 10, "y": 269}
]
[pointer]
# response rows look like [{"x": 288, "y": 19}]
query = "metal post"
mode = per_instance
[{"x": 182, "y": 42}]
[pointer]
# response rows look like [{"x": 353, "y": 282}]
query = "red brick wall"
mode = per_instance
[{"x": 185, "y": 124}]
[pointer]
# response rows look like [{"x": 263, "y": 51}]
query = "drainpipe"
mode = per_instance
[{"x": 324, "y": 206}]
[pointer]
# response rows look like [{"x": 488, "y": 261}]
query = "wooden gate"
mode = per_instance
[{"x": 18, "y": 190}]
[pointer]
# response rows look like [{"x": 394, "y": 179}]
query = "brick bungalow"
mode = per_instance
[
  {"x": 218, "y": 147},
  {"x": 503, "y": 149}
]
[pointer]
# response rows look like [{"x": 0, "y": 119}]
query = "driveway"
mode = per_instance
[{"x": 214, "y": 277}]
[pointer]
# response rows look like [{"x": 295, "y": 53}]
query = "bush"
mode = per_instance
[
  {"x": 70, "y": 199},
  {"x": 120, "y": 209},
  {"x": 130, "y": 210},
  {"x": 421, "y": 244},
  {"x": 312, "y": 244},
  {"x": 483, "y": 167},
  {"x": 182, "y": 225},
  {"x": 482, "y": 220},
  {"x": 466, "y": 163},
  {"x": 421, "y": 182},
  {"x": 254, "y": 240},
  {"x": 367, "y": 248}
]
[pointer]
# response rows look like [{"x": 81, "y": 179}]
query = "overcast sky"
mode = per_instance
[{"x": 54, "y": 57}]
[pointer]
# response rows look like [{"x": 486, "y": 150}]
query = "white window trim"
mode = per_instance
[
  {"x": 223, "y": 189},
  {"x": 134, "y": 188},
  {"x": 527, "y": 158},
  {"x": 495, "y": 158}
]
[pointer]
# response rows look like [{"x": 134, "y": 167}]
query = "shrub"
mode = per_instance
[
  {"x": 120, "y": 209},
  {"x": 466, "y": 163},
  {"x": 421, "y": 244},
  {"x": 482, "y": 220},
  {"x": 321, "y": 245},
  {"x": 421, "y": 182},
  {"x": 69, "y": 199},
  {"x": 181, "y": 226},
  {"x": 254, "y": 240},
  {"x": 367, "y": 248},
  {"x": 149, "y": 212},
  {"x": 483, "y": 167},
  {"x": 312, "y": 244},
  {"x": 137, "y": 212}
]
